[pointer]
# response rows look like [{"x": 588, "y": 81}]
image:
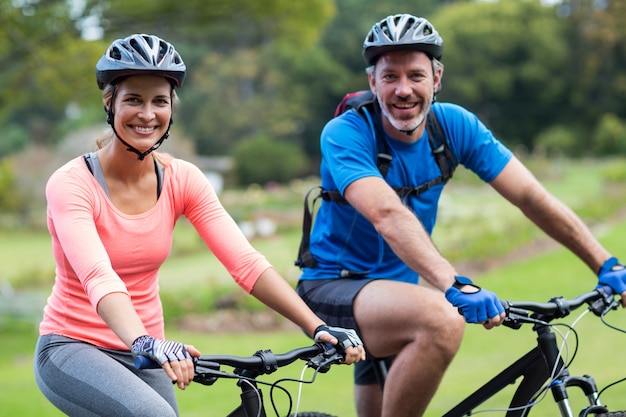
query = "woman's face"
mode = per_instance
[{"x": 143, "y": 109}]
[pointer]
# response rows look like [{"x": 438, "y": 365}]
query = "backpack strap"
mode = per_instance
[
  {"x": 441, "y": 152},
  {"x": 365, "y": 104},
  {"x": 305, "y": 260},
  {"x": 440, "y": 149},
  {"x": 443, "y": 155}
]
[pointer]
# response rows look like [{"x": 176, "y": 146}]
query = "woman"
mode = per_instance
[{"x": 111, "y": 215}]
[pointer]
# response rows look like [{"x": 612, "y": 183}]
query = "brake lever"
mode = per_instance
[
  {"x": 604, "y": 304},
  {"x": 324, "y": 360},
  {"x": 207, "y": 372}
]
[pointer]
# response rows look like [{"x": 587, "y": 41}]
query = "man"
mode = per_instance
[{"x": 370, "y": 252}]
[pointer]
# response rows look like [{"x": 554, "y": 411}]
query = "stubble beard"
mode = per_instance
[{"x": 405, "y": 125}]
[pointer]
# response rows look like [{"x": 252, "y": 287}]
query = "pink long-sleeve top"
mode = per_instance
[{"x": 99, "y": 250}]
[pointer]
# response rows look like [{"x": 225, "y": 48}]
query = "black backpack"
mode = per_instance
[{"x": 441, "y": 152}]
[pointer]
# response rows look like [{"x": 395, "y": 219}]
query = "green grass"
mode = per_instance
[
  {"x": 475, "y": 223},
  {"x": 482, "y": 353}
]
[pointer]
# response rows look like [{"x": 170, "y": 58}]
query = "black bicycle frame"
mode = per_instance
[
  {"x": 251, "y": 401},
  {"x": 535, "y": 368}
]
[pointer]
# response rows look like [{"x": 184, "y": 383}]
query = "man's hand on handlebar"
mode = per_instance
[
  {"x": 346, "y": 341},
  {"x": 476, "y": 304},
  {"x": 174, "y": 357},
  {"x": 613, "y": 274}
]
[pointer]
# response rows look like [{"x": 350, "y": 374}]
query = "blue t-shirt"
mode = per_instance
[{"x": 343, "y": 240}]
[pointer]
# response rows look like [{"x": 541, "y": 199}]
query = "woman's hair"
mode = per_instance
[{"x": 107, "y": 95}]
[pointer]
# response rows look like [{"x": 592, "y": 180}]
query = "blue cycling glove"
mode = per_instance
[
  {"x": 613, "y": 274},
  {"x": 158, "y": 350},
  {"x": 346, "y": 337},
  {"x": 476, "y": 307}
]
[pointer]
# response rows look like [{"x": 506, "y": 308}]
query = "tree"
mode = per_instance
[
  {"x": 46, "y": 65},
  {"x": 505, "y": 61},
  {"x": 597, "y": 37}
]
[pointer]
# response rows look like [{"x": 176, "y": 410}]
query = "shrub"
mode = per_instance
[
  {"x": 609, "y": 137},
  {"x": 558, "y": 140},
  {"x": 261, "y": 160}
]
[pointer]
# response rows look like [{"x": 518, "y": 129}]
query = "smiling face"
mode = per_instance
[
  {"x": 143, "y": 109},
  {"x": 404, "y": 84}
]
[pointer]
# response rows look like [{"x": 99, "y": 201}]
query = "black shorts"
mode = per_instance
[{"x": 331, "y": 300}]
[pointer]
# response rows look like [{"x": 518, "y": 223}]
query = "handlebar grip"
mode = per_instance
[
  {"x": 608, "y": 290},
  {"x": 144, "y": 362}
]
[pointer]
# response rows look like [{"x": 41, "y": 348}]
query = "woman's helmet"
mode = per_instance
[
  {"x": 402, "y": 32},
  {"x": 140, "y": 55}
]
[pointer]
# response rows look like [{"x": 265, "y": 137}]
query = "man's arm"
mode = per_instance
[
  {"x": 401, "y": 229},
  {"x": 406, "y": 236},
  {"x": 522, "y": 189}
]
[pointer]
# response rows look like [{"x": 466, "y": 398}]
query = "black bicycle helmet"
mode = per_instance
[
  {"x": 140, "y": 54},
  {"x": 402, "y": 32}
]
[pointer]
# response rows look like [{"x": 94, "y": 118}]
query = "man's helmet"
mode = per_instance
[
  {"x": 140, "y": 55},
  {"x": 402, "y": 32}
]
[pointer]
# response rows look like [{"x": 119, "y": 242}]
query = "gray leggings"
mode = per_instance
[{"x": 81, "y": 379}]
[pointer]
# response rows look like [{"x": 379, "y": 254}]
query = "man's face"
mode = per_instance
[{"x": 403, "y": 82}]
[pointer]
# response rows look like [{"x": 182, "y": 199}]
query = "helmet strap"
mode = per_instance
[{"x": 140, "y": 155}]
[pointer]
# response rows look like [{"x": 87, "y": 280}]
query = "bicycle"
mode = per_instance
[
  {"x": 246, "y": 370},
  {"x": 543, "y": 368}
]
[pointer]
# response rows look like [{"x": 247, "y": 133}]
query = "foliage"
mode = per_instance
[
  {"x": 254, "y": 92},
  {"x": 15, "y": 138},
  {"x": 46, "y": 65},
  {"x": 261, "y": 160},
  {"x": 558, "y": 140},
  {"x": 609, "y": 137},
  {"x": 596, "y": 37},
  {"x": 10, "y": 201},
  {"x": 279, "y": 67},
  {"x": 501, "y": 59},
  {"x": 220, "y": 25}
]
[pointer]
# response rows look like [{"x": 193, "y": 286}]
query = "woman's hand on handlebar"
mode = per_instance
[
  {"x": 346, "y": 340},
  {"x": 174, "y": 357},
  {"x": 182, "y": 372}
]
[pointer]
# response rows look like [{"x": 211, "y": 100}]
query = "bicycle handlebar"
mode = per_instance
[
  {"x": 600, "y": 301},
  {"x": 318, "y": 356}
]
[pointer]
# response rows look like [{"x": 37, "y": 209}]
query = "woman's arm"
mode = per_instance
[
  {"x": 119, "y": 314},
  {"x": 273, "y": 291}
]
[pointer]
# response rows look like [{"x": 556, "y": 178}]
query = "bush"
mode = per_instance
[
  {"x": 558, "y": 140},
  {"x": 261, "y": 160},
  {"x": 14, "y": 138},
  {"x": 10, "y": 195},
  {"x": 609, "y": 137}
]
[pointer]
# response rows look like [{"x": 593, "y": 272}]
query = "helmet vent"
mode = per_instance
[
  {"x": 135, "y": 45},
  {"x": 402, "y": 32},
  {"x": 140, "y": 54},
  {"x": 115, "y": 53}
]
